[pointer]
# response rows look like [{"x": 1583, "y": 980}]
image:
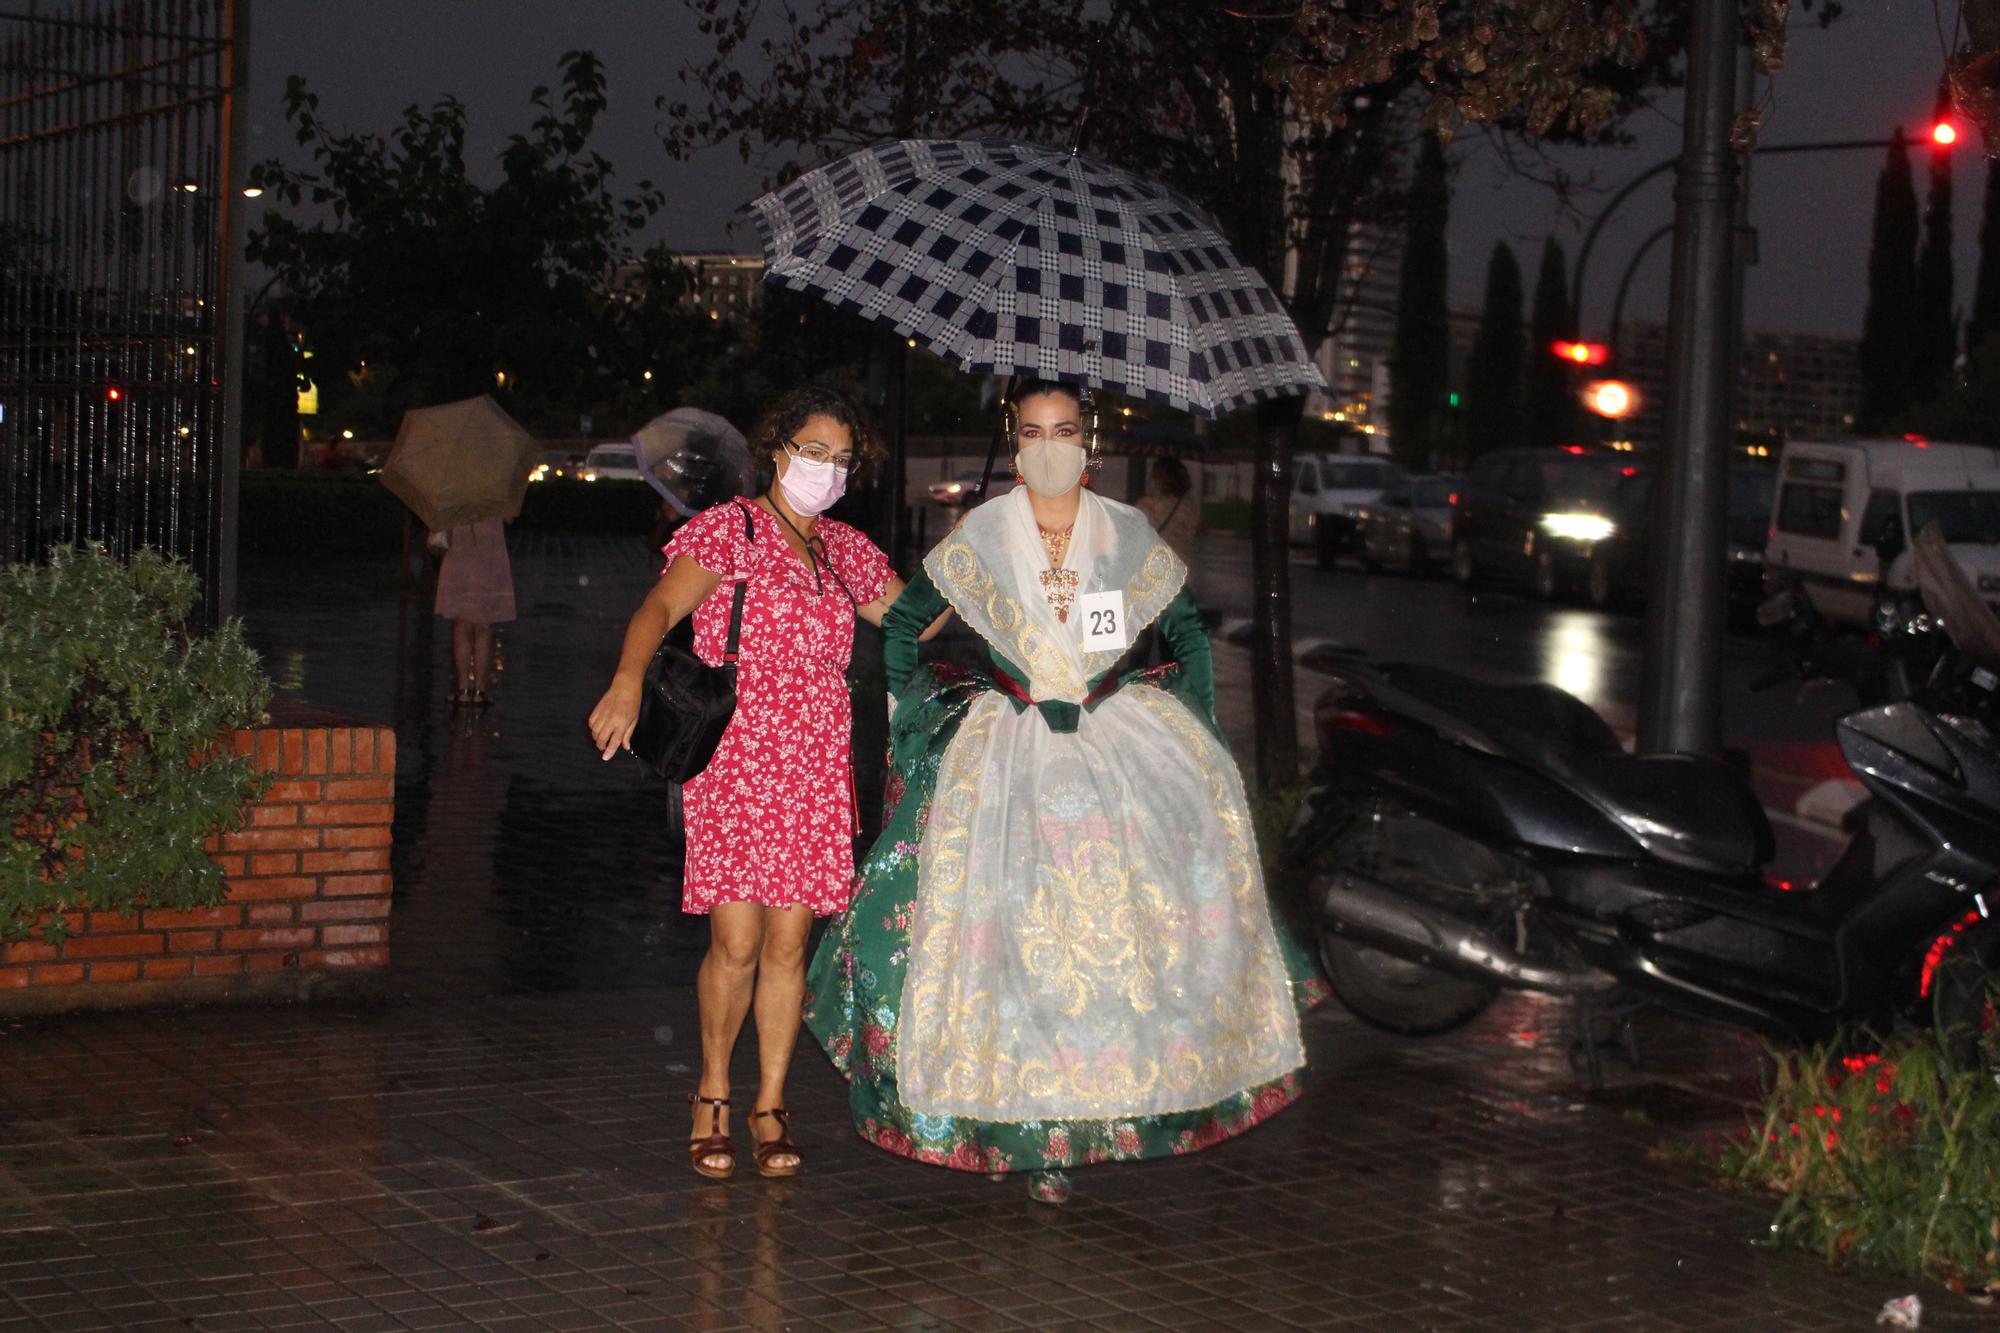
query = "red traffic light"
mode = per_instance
[
  {"x": 113, "y": 394},
  {"x": 1581, "y": 354},
  {"x": 1944, "y": 134}
]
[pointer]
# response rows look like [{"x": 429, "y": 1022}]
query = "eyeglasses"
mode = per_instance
[{"x": 815, "y": 452}]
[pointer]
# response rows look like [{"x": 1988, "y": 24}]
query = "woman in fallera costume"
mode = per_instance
[{"x": 1060, "y": 952}]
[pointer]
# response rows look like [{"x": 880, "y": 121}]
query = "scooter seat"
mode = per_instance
[
  {"x": 1686, "y": 809},
  {"x": 1532, "y": 720},
  {"x": 1683, "y": 808}
]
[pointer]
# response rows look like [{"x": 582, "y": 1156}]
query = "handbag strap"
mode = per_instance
[{"x": 736, "y": 602}]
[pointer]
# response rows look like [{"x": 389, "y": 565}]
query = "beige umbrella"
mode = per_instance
[{"x": 457, "y": 463}]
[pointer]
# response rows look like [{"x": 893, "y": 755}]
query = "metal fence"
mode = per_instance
[{"x": 116, "y": 205}]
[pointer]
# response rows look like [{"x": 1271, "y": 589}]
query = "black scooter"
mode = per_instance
[{"x": 1465, "y": 839}]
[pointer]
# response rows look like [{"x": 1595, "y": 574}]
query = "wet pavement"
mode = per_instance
[{"x": 498, "y": 1143}]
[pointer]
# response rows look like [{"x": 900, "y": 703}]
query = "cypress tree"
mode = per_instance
[
  {"x": 1985, "y": 317},
  {"x": 1889, "y": 324},
  {"x": 1419, "y": 360},
  {"x": 1551, "y": 407},
  {"x": 1934, "y": 335},
  {"x": 1493, "y": 373}
]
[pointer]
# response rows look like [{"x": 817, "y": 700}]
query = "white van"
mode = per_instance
[
  {"x": 1328, "y": 490},
  {"x": 1835, "y": 501}
]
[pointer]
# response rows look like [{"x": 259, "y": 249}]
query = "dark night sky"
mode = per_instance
[{"x": 1876, "y": 67}]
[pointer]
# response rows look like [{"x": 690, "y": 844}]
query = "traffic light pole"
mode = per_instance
[{"x": 1680, "y": 707}]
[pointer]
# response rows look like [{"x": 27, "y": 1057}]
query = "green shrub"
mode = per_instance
[
  {"x": 111, "y": 715},
  {"x": 1882, "y": 1159}
]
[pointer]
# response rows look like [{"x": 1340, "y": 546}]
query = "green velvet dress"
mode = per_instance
[{"x": 855, "y": 986}]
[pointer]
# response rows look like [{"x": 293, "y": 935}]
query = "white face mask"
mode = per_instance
[
  {"x": 811, "y": 488},
  {"x": 1051, "y": 467}
]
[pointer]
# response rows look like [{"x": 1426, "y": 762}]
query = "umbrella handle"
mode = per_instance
[{"x": 992, "y": 453}]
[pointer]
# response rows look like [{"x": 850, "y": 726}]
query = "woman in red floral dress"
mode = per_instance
[{"x": 771, "y": 820}]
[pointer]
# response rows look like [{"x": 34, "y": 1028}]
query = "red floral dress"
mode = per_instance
[{"x": 771, "y": 820}]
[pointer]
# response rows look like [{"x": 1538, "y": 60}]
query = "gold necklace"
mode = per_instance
[{"x": 1058, "y": 584}]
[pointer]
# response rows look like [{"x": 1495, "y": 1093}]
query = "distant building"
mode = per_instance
[
  {"x": 1354, "y": 356},
  {"x": 1788, "y": 385},
  {"x": 727, "y": 286}
]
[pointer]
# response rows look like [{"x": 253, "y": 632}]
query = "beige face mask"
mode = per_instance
[{"x": 1051, "y": 467}]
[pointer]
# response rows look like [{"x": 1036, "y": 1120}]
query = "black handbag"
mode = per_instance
[{"x": 685, "y": 704}]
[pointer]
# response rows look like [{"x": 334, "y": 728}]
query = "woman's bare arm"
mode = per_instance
[{"x": 680, "y": 590}]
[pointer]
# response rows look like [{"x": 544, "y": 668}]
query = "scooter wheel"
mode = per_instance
[{"x": 1397, "y": 995}]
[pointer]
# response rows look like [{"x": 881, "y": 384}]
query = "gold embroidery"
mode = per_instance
[
  {"x": 1100, "y": 934},
  {"x": 1245, "y": 878},
  {"x": 1008, "y": 630},
  {"x": 1092, "y": 927}
]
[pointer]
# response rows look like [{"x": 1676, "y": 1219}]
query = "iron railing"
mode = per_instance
[{"x": 116, "y": 209}]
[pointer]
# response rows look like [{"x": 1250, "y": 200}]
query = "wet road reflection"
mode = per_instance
[{"x": 1503, "y": 635}]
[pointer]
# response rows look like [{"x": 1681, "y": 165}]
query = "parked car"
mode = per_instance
[
  {"x": 1409, "y": 525},
  {"x": 961, "y": 488},
  {"x": 1326, "y": 490},
  {"x": 1835, "y": 504},
  {"x": 612, "y": 462},
  {"x": 1536, "y": 516},
  {"x": 557, "y": 465}
]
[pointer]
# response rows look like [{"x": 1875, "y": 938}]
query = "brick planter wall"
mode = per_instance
[{"x": 308, "y": 905}]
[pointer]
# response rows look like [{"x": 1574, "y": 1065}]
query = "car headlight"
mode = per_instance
[
  {"x": 541, "y": 472},
  {"x": 1745, "y": 555},
  {"x": 589, "y": 474},
  {"x": 1578, "y": 527}
]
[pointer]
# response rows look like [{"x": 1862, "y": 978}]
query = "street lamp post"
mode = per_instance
[{"x": 1681, "y": 696}]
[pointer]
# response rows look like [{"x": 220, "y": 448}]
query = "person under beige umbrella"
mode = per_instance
[{"x": 463, "y": 469}]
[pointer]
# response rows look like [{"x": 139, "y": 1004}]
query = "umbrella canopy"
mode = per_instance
[
  {"x": 461, "y": 462},
  {"x": 694, "y": 459},
  {"x": 1015, "y": 259}
]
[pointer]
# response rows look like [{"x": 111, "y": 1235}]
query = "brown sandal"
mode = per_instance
[
  {"x": 781, "y": 1146},
  {"x": 717, "y": 1144}
]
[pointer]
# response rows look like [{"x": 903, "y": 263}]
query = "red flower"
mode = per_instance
[
  {"x": 1269, "y": 1102},
  {"x": 1126, "y": 1140},
  {"x": 966, "y": 1157},
  {"x": 875, "y": 1039},
  {"x": 893, "y": 1139}
]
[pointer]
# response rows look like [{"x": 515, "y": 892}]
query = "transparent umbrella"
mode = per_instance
[{"x": 694, "y": 459}]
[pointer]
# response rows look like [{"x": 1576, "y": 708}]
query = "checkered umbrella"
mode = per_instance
[{"x": 1013, "y": 259}]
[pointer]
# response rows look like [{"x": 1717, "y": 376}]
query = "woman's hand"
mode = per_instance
[{"x": 611, "y": 722}]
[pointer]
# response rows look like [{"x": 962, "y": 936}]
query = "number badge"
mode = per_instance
[{"x": 1103, "y": 619}]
